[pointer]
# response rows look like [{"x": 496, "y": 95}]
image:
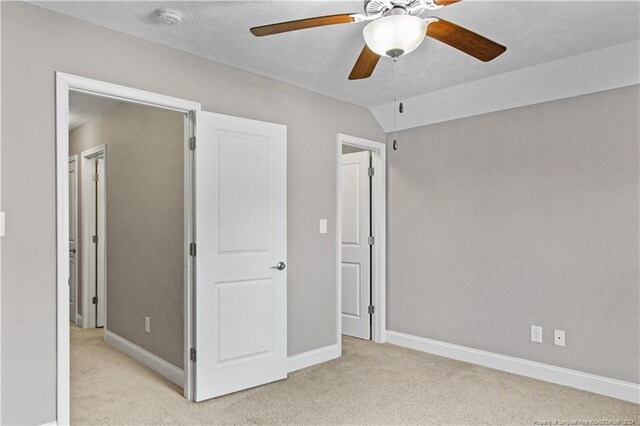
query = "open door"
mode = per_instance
[
  {"x": 73, "y": 238},
  {"x": 240, "y": 254},
  {"x": 101, "y": 226},
  {"x": 356, "y": 249}
]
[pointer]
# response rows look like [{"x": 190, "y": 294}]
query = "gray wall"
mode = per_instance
[
  {"x": 35, "y": 43},
  {"x": 521, "y": 217},
  {"x": 145, "y": 222}
]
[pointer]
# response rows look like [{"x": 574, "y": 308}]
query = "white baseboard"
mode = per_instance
[
  {"x": 146, "y": 358},
  {"x": 316, "y": 356},
  {"x": 563, "y": 376}
]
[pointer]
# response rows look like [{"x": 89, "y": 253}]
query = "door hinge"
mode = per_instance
[
  {"x": 371, "y": 310},
  {"x": 94, "y": 300},
  {"x": 192, "y": 354},
  {"x": 94, "y": 239},
  {"x": 192, "y": 249},
  {"x": 371, "y": 240},
  {"x": 95, "y": 177},
  {"x": 370, "y": 171},
  {"x": 192, "y": 143}
]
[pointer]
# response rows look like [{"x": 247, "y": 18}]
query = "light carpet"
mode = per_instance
[{"x": 369, "y": 384}]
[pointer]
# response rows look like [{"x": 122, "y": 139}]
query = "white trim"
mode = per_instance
[
  {"x": 188, "y": 261},
  {"x": 62, "y": 239},
  {"x": 2, "y": 218},
  {"x": 50, "y": 424},
  {"x": 563, "y": 376},
  {"x": 78, "y": 320},
  {"x": 313, "y": 357},
  {"x": 379, "y": 226},
  {"x": 87, "y": 207},
  {"x": 146, "y": 358},
  {"x": 64, "y": 83},
  {"x": 590, "y": 72}
]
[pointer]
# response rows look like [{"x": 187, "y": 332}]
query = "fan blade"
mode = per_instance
[
  {"x": 467, "y": 41},
  {"x": 302, "y": 24},
  {"x": 445, "y": 2},
  {"x": 365, "y": 64}
]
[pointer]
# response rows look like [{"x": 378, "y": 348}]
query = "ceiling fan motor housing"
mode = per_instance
[{"x": 376, "y": 7}]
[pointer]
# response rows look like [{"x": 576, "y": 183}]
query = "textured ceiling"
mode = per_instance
[
  {"x": 84, "y": 107},
  {"x": 320, "y": 59}
]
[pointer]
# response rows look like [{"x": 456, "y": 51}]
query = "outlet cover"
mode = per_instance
[
  {"x": 558, "y": 337},
  {"x": 536, "y": 334}
]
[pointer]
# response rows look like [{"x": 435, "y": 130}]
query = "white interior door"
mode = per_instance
[
  {"x": 101, "y": 200},
  {"x": 241, "y": 237},
  {"x": 356, "y": 260},
  {"x": 73, "y": 235},
  {"x": 94, "y": 206}
]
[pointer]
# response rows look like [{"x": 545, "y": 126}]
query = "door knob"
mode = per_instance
[{"x": 280, "y": 266}]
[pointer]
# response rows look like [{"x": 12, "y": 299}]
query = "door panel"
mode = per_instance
[
  {"x": 242, "y": 307},
  {"x": 356, "y": 227},
  {"x": 240, "y": 298},
  {"x": 351, "y": 290},
  {"x": 351, "y": 198},
  {"x": 73, "y": 245},
  {"x": 245, "y": 173}
]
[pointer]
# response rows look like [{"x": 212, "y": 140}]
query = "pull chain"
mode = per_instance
[
  {"x": 395, "y": 107},
  {"x": 395, "y": 132}
]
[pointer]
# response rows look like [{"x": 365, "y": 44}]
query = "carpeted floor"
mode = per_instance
[{"x": 370, "y": 384}]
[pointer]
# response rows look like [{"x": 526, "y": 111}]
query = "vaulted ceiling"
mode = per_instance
[{"x": 320, "y": 59}]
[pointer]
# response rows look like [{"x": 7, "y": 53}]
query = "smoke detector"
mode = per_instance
[{"x": 168, "y": 16}]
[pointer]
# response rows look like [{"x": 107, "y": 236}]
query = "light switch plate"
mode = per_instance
[
  {"x": 558, "y": 337},
  {"x": 536, "y": 334},
  {"x": 323, "y": 226},
  {"x": 147, "y": 324}
]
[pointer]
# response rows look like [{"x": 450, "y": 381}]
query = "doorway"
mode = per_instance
[
  {"x": 361, "y": 232},
  {"x": 234, "y": 263},
  {"x": 357, "y": 242},
  {"x": 66, "y": 85}
]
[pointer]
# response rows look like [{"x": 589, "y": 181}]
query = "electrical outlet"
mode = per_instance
[
  {"x": 536, "y": 334},
  {"x": 147, "y": 324},
  {"x": 558, "y": 337}
]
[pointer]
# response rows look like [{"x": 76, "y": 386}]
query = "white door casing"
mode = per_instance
[
  {"x": 356, "y": 260},
  {"x": 73, "y": 238},
  {"x": 240, "y": 233}
]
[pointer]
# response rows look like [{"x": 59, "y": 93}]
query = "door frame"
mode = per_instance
[
  {"x": 74, "y": 159},
  {"x": 63, "y": 84},
  {"x": 379, "y": 225},
  {"x": 89, "y": 319}
]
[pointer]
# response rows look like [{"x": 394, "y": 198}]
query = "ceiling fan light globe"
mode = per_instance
[{"x": 395, "y": 35}]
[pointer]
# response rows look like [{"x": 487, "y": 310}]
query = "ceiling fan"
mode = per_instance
[{"x": 395, "y": 28}]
